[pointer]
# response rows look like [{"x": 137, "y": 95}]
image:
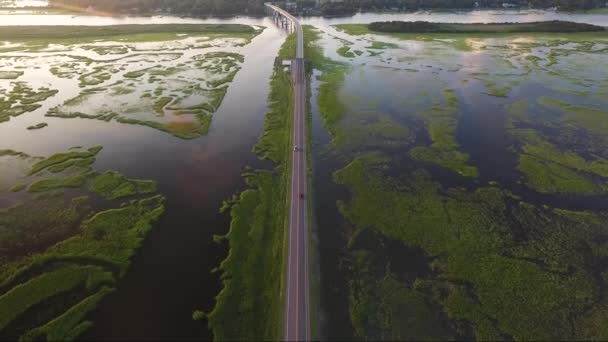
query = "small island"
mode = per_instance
[
  {"x": 38, "y": 126},
  {"x": 428, "y": 27}
]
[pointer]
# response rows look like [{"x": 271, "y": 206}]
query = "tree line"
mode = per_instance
[
  {"x": 179, "y": 7},
  {"x": 256, "y": 7},
  {"x": 351, "y": 6},
  {"x": 429, "y": 27}
]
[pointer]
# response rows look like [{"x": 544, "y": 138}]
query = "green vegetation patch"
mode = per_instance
[
  {"x": 382, "y": 45},
  {"x": 37, "y": 126},
  {"x": 441, "y": 125},
  {"x": 591, "y": 119},
  {"x": 62, "y": 158},
  {"x": 548, "y": 168},
  {"x": 51, "y": 184},
  {"x": 22, "y": 99},
  {"x": 249, "y": 307},
  {"x": 494, "y": 266},
  {"x": 122, "y": 33},
  {"x": 344, "y": 51},
  {"x": 60, "y": 254},
  {"x": 10, "y": 75},
  {"x": 113, "y": 185},
  {"x": 179, "y": 100},
  {"x": 512, "y": 288}
]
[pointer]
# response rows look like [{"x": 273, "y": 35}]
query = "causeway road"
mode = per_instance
[{"x": 296, "y": 319}]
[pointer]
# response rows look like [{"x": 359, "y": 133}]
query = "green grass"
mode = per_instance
[
  {"x": 57, "y": 183},
  {"x": 332, "y": 78},
  {"x": 382, "y": 45},
  {"x": 549, "y": 169},
  {"x": 113, "y": 185},
  {"x": 124, "y": 33},
  {"x": 22, "y": 99},
  {"x": 354, "y": 29},
  {"x": 60, "y": 254},
  {"x": 60, "y": 158},
  {"x": 441, "y": 122},
  {"x": 499, "y": 268},
  {"x": 25, "y": 296},
  {"x": 546, "y": 167},
  {"x": 38, "y": 126},
  {"x": 160, "y": 103},
  {"x": 10, "y": 75},
  {"x": 545, "y": 175},
  {"x": 288, "y": 49},
  {"x": 469, "y": 234},
  {"x": 344, "y": 51},
  {"x": 250, "y": 305},
  {"x": 591, "y": 119},
  {"x": 70, "y": 325},
  {"x": 385, "y": 308}
]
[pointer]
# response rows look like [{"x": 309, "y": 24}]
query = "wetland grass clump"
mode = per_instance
[
  {"x": 10, "y": 75},
  {"x": 60, "y": 158},
  {"x": 112, "y": 185},
  {"x": 549, "y": 169},
  {"x": 59, "y": 253},
  {"x": 59, "y": 183},
  {"x": 344, "y": 51},
  {"x": 38, "y": 126},
  {"x": 22, "y": 99},
  {"x": 382, "y": 45},
  {"x": 471, "y": 237},
  {"x": 441, "y": 122}
]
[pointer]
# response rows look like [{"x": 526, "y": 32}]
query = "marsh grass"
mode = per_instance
[
  {"x": 252, "y": 275},
  {"x": 501, "y": 265},
  {"x": 59, "y": 254}
]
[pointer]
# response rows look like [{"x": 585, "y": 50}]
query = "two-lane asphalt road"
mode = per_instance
[{"x": 297, "y": 314}]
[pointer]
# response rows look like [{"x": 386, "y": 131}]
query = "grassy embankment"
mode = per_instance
[
  {"x": 499, "y": 268},
  {"x": 250, "y": 305},
  {"x": 59, "y": 256}
]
